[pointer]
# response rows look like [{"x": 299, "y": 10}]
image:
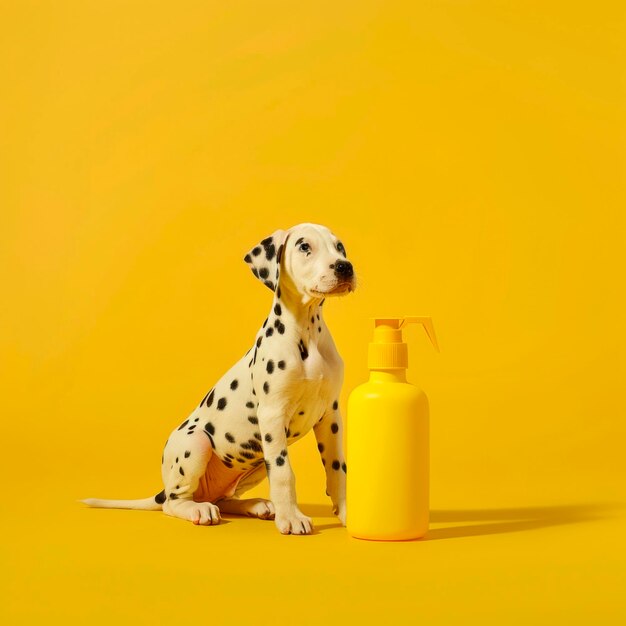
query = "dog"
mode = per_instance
[{"x": 286, "y": 384}]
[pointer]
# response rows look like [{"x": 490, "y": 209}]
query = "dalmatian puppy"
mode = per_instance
[{"x": 286, "y": 384}]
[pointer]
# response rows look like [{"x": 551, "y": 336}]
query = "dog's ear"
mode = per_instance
[{"x": 264, "y": 259}]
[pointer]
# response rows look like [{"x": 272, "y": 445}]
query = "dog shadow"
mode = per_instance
[{"x": 491, "y": 521}]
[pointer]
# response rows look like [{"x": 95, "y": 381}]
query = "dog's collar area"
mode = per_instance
[{"x": 304, "y": 315}]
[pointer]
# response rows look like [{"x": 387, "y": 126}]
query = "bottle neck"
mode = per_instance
[{"x": 388, "y": 376}]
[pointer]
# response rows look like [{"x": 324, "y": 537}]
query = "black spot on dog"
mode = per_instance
[
  {"x": 335, "y": 405},
  {"x": 173, "y": 496},
  {"x": 267, "y": 465},
  {"x": 229, "y": 437},
  {"x": 251, "y": 444},
  {"x": 234, "y": 384},
  {"x": 187, "y": 453},
  {"x": 312, "y": 320},
  {"x": 334, "y": 427},
  {"x": 265, "y": 322},
  {"x": 209, "y": 428},
  {"x": 323, "y": 461},
  {"x": 344, "y": 468},
  {"x": 270, "y": 250},
  {"x": 221, "y": 403},
  {"x": 256, "y": 251},
  {"x": 197, "y": 419},
  {"x": 295, "y": 434},
  {"x": 304, "y": 353},
  {"x": 268, "y": 438},
  {"x": 287, "y": 432},
  {"x": 281, "y": 365},
  {"x": 176, "y": 460},
  {"x": 322, "y": 302},
  {"x": 279, "y": 254},
  {"x": 318, "y": 316},
  {"x": 269, "y": 332},
  {"x": 320, "y": 447},
  {"x": 257, "y": 436},
  {"x": 258, "y": 341},
  {"x": 269, "y": 283},
  {"x": 283, "y": 452},
  {"x": 183, "y": 425},
  {"x": 300, "y": 412},
  {"x": 191, "y": 428},
  {"x": 270, "y": 366},
  {"x": 250, "y": 363},
  {"x": 336, "y": 465},
  {"x": 209, "y": 400},
  {"x": 278, "y": 292},
  {"x": 160, "y": 497},
  {"x": 228, "y": 464},
  {"x": 228, "y": 455},
  {"x": 247, "y": 258},
  {"x": 280, "y": 460},
  {"x": 253, "y": 420},
  {"x": 250, "y": 404},
  {"x": 247, "y": 455},
  {"x": 277, "y": 309},
  {"x": 181, "y": 470},
  {"x": 266, "y": 387},
  {"x": 319, "y": 329},
  {"x": 203, "y": 399},
  {"x": 264, "y": 272}
]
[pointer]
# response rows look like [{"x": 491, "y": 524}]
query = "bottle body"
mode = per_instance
[{"x": 387, "y": 455}]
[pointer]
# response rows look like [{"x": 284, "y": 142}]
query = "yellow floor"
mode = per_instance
[{"x": 551, "y": 564}]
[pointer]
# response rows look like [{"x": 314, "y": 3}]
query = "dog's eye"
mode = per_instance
[
  {"x": 340, "y": 248},
  {"x": 304, "y": 247}
]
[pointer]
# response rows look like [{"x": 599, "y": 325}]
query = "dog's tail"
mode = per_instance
[{"x": 146, "y": 504}]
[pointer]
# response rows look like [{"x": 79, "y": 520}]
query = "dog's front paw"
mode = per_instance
[
  {"x": 339, "y": 509},
  {"x": 293, "y": 523}
]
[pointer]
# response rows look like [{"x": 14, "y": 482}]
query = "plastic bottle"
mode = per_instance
[{"x": 387, "y": 445}]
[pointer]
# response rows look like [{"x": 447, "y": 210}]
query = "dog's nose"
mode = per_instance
[{"x": 344, "y": 269}]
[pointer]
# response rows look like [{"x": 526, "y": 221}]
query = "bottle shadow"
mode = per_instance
[
  {"x": 492, "y": 521},
  {"x": 511, "y": 520}
]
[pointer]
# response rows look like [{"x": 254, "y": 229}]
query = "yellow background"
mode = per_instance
[{"x": 471, "y": 157}]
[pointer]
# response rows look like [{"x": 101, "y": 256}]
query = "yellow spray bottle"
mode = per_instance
[{"x": 387, "y": 446}]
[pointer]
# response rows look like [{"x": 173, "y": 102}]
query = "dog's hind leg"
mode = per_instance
[
  {"x": 252, "y": 507},
  {"x": 185, "y": 460}
]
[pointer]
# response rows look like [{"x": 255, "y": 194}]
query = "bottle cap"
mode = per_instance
[{"x": 387, "y": 351}]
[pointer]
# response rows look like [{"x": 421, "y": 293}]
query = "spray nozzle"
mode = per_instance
[{"x": 387, "y": 350}]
